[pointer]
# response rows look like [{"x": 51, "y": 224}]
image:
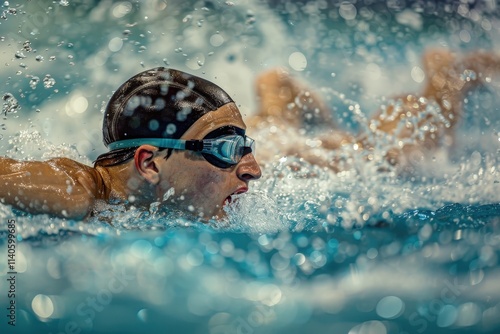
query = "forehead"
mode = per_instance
[{"x": 228, "y": 114}]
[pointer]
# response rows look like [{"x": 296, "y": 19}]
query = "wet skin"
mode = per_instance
[{"x": 199, "y": 187}]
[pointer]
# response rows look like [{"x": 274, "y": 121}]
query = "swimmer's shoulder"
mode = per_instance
[
  {"x": 88, "y": 177},
  {"x": 69, "y": 166}
]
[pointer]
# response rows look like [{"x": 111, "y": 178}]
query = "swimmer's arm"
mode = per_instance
[{"x": 59, "y": 187}]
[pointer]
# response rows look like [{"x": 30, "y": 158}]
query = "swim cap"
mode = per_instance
[{"x": 159, "y": 103}]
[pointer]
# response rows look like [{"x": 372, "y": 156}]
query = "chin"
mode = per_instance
[{"x": 219, "y": 214}]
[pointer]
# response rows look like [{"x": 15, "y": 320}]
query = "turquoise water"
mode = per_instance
[{"x": 306, "y": 251}]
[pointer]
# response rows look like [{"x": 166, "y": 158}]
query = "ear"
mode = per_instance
[{"x": 145, "y": 163}]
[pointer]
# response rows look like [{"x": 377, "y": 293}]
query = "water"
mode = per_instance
[{"x": 307, "y": 250}]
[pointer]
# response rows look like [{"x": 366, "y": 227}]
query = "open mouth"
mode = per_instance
[{"x": 234, "y": 196}]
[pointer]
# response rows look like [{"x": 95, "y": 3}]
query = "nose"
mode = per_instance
[{"x": 248, "y": 168}]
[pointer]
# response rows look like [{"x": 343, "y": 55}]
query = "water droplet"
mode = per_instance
[
  {"x": 390, "y": 307},
  {"x": 171, "y": 128},
  {"x": 27, "y": 46},
  {"x": 142, "y": 315},
  {"x": 48, "y": 81},
  {"x": 250, "y": 18},
  {"x": 348, "y": 11},
  {"x": 200, "y": 22},
  {"x": 298, "y": 61},
  {"x": 250, "y": 21},
  {"x": 187, "y": 18},
  {"x": 39, "y": 58},
  {"x": 10, "y": 104},
  {"x": 64, "y": 3},
  {"x": 19, "y": 55},
  {"x": 468, "y": 75},
  {"x": 43, "y": 306},
  {"x": 34, "y": 82},
  {"x": 229, "y": 3},
  {"x": 166, "y": 62}
]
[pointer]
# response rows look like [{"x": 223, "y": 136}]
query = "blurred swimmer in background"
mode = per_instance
[{"x": 418, "y": 124}]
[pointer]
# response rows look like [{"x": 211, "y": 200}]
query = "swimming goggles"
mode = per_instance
[{"x": 223, "y": 151}]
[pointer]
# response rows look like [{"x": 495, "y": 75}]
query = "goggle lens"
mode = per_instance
[{"x": 227, "y": 151}]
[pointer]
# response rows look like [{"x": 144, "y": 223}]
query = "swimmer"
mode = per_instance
[
  {"x": 285, "y": 103},
  {"x": 174, "y": 138}
]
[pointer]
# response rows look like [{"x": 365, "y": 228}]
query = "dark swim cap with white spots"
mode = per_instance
[{"x": 159, "y": 103}]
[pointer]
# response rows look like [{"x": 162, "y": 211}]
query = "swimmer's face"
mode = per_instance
[{"x": 200, "y": 187}]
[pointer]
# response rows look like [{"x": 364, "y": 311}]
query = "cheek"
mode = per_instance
[{"x": 209, "y": 182}]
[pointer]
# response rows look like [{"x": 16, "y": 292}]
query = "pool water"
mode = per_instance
[{"x": 307, "y": 250}]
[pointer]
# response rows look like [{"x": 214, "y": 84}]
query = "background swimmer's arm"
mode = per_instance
[
  {"x": 284, "y": 102},
  {"x": 450, "y": 77},
  {"x": 282, "y": 98},
  {"x": 59, "y": 187}
]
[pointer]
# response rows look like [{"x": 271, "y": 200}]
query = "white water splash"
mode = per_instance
[
  {"x": 31, "y": 145},
  {"x": 253, "y": 213}
]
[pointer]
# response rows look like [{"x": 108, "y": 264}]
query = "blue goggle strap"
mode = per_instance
[{"x": 227, "y": 148}]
